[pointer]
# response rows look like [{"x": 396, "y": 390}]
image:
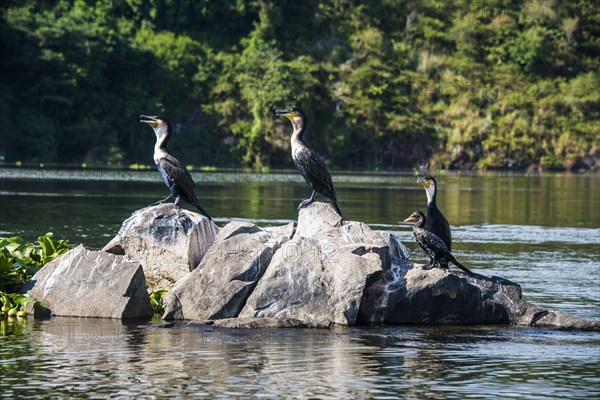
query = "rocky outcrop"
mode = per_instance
[
  {"x": 410, "y": 294},
  {"x": 326, "y": 272},
  {"x": 320, "y": 275},
  {"x": 219, "y": 287},
  {"x": 168, "y": 241},
  {"x": 527, "y": 314},
  {"x": 86, "y": 283}
]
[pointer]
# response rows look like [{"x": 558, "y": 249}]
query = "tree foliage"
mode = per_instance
[{"x": 386, "y": 84}]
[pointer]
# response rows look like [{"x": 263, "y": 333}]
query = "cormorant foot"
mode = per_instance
[
  {"x": 305, "y": 203},
  {"x": 428, "y": 266}
]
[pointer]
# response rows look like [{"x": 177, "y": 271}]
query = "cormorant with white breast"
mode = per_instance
[
  {"x": 174, "y": 174},
  {"x": 308, "y": 162},
  {"x": 432, "y": 244},
  {"x": 435, "y": 221}
]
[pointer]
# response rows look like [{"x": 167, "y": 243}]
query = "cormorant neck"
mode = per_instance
[
  {"x": 299, "y": 128},
  {"x": 420, "y": 223},
  {"x": 162, "y": 138},
  {"x": 431, "y": 192}
]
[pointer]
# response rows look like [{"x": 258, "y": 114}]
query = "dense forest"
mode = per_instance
[{"x": 386, "y": 84}]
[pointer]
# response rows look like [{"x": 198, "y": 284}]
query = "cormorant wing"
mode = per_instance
[
  {"x": 179, "y": 175},
  {"x": 435, "y": 241},
  {"x": 448, "y": 233},
  {"x": 317, "y": 169}
]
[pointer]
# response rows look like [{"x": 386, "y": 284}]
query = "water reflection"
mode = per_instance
[{"x": 97, "y": 358}]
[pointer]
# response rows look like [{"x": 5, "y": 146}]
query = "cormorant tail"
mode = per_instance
[
  {"x": 459, "y": 265},
  {"x": 337, "y": 208},
  {"x": 197, "y": 205}
]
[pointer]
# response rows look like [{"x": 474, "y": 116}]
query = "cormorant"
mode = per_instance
[
  {"x": 310, "y": 165},
  {"x": 174, "y": 174},
  {"x": 435, "y": 221},
  {"x": 432, "y": 244}
]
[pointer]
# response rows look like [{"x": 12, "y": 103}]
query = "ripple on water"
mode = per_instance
[{"x": 450, "y": 362}]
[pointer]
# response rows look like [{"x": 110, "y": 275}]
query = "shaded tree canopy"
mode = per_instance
[{"x": 385, "y": 84}]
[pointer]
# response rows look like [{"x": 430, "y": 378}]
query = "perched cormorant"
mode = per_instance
[
  {"x": 435, "y": 221},
  {"x": 432, "y": 244},
  {"x": 174, "y": 174},
  {"x": 310, "y": 165}
]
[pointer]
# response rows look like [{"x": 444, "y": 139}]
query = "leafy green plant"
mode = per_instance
[
  {"x": 156, "y": 301},
  {"x": 20, "y": 260},
  {"x": 14, "y": 305}
]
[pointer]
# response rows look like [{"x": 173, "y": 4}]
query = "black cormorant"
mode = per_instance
[
  {"x": 432, "y": 244},
  {"x": 435, "y": 221},
  {"x": 174, "y": 174},
  {"x": 310, "y": 165}
]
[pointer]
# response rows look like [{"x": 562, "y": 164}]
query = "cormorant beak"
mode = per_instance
[
  {"x": 285, "y": 112},
  {"x": 410, "y": 219},
  {"x": 150, "y": 120},
  {"x": 424, "y": 182}
]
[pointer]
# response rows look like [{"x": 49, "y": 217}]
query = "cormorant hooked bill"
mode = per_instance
[
  {"x": 435, "y": 221},
  {"x": 432, "y": 244},
  {"x": 174, "y": 174},
  {"x": 307, "y": 161}
]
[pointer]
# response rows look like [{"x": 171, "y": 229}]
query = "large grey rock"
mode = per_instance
[
  {"x": 319, "y": 276},
  {"x": 410, "y": 294},
  {"x": 168, "y": 241},
  {"x": 84, "y": 283},
  {"x": 219, "y": 287}
]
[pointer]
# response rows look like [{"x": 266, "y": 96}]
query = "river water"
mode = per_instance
[{"x": 542, "y": 232}]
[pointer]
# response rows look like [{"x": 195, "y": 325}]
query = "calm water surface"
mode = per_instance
[{"x": 542, "y": 232}]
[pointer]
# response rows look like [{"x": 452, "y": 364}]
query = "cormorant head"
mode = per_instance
[
  {"x": 160, "y": 125},
  {"x": 295, "y": 115},
  {"x": 417, "y": 217},
  {"x": 429, "y": 185}
]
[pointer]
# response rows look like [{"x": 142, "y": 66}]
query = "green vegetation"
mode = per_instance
[
  {"x": 156, "y": 301},
  {"x": 20, "y": 260},
  {"x": 14, "y": 304},
  {"x": 386, "y": 84}
]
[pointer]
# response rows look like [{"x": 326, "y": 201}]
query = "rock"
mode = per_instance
[
  {"x": 317, "y": 218},
  {"x": 398, "y": 251},
  {"x": 410, "y": 294},
  {"x": 319, "y": 276},
  {"x": 169, "y": 242},
  {"x": 84, "y": 283},
  {"x": 219, "y": 287},
  {"x": 528, "y": 314},
  {"x": 281, "y": 233}
]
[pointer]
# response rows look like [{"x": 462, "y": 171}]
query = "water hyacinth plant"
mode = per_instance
[{"x": 20, "y": 260}]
